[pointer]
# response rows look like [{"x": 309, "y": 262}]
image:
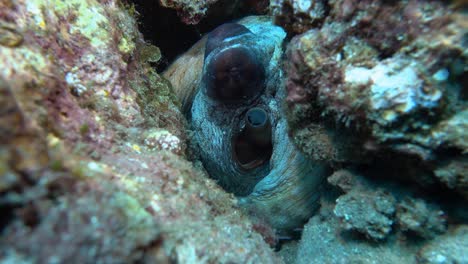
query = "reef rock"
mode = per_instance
[
  {"x": 190, "y": 11},
  {"x": 416, "y": 216},
  {"x": 322, "y": 243},
  {"x": 385, "y": 76},
  {"x": 93, "y": 153},
  {"x": 374, "y": 223},
  {"x": 450, "y": 248},
  {"x": 298, "y": 16},
  {"x": 370, "y": 214},
  {"x": 193, "y": 12}
]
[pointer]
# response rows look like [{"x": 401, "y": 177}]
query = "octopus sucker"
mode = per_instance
[{"x": 231, "y": 88}]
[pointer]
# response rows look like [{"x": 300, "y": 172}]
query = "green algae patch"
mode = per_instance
[
  {"x": 22, "y": 59},
  {"x": 126, "y": 45},
  {"x": 157, "y": 101},
  {"x": 150, "y": 53},
  {"x": 139, "y": 221},
  {"x": 89, "y": 19}
]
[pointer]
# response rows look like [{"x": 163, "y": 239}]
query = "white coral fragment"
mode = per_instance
[{"x": 395, "y": 88}]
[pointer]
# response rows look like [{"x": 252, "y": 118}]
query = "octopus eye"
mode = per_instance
[
  {"x": 221, "y": 33},
  {"x": 234, "y": 74}
]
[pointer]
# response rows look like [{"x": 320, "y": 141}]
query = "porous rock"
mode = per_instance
[
  {"x": 78, "y": 99},
  {"x": 370, "y": 214},
  {"x": 417, "y": 216},
  {"x": 449, "y": 248},
  {"x": 386, "y": 76}
]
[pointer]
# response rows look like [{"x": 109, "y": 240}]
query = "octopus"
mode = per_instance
[{"x": 231, "y": 87}]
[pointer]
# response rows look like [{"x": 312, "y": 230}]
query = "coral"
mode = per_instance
[
  {"x": 396, "y": 91},
  {"x": 322, "y": 143},
  {"x": 10, "y": 37},
  {"x": 196, "y": 217},
  {"x": 364, "y": 210}
]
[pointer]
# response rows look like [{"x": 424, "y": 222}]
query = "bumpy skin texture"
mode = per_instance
[{"x": 283, "y": 191}]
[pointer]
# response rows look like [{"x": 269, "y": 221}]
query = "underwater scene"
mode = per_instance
[{"x": 234, "y": 131}]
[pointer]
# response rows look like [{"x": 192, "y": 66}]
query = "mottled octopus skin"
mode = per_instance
[{"x": 284, "y": 190}]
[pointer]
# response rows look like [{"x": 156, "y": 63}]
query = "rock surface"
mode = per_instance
[
  {"x": 416, "y": 216},
  {"x": 450, "y": 248},
  {"x": 370, "y": 214},
  {"x": 386, "y": 86},
  {"x": 332, "y": 246},
  {"x": 93, "y": 160},
  {"x": 377, "y": 89}
]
